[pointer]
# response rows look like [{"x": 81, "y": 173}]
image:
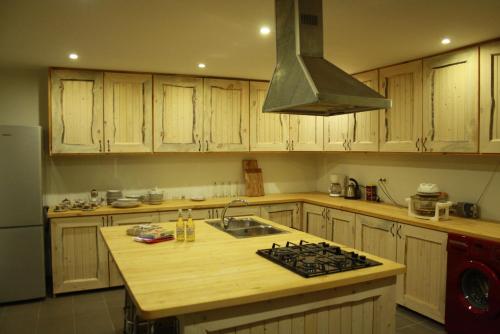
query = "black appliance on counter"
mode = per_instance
[{"x": 315, "y": 259}]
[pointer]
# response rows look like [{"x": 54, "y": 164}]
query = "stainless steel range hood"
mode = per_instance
[{"x": 303, "y": 82}]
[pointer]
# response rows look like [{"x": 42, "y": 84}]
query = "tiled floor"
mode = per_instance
[{"x": 101, "y": 312}]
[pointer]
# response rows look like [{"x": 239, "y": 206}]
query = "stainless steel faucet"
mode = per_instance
[{"x": 225, "y": 223}]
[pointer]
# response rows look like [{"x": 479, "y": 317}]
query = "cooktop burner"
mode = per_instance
[{"x": 310, "y": 260}]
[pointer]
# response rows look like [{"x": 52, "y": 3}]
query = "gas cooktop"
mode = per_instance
[{"x": 315, "y": 259}]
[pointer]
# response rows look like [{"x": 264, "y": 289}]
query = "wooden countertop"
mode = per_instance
[
  {"x": 471, "y": 227},
  {"x": 217, "y": 270}
]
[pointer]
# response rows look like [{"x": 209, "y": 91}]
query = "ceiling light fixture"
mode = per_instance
[
  {"x": 73, "y": 56},
  {"x": 201, "y": 65},
  {"x": 445, "y": 41},
  {"x": 265, "y": 30}
]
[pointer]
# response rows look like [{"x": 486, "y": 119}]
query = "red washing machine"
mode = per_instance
[{"x": 473, "y": 286}]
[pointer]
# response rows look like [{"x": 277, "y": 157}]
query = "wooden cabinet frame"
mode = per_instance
[{"x": 490, "y": 97}]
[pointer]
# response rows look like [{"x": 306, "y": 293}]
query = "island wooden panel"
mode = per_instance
[{"x": 207, "y": 274}]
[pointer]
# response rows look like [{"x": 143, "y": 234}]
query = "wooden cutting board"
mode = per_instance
[{"x": 254, "y": 184}]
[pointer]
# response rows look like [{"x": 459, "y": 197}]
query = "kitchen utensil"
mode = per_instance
[
  {"x": 429, "y": 207},
  {"x": 464, "y": 209},
  {"x": 126, "y": 203},
  {"x": 352, "y": 190},
  {"x": 337, "y": 185},
  {"x": 197, "y": 198},
  {"x": 113, "y": 195},
  {"x": 254, "y": 184}
]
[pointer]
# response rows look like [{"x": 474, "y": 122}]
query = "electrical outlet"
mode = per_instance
[{"x": 382, "y": 179}]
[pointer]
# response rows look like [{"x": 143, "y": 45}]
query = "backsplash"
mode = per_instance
[
  {"x": 462, "y": 177},
  {"x": 176, "y": 174}
]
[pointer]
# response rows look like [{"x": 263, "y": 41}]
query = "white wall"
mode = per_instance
[{"x": 463, "y": 177}]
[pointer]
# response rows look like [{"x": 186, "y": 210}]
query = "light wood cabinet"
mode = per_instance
[
  {"x": 178, "y": 113},
  {"x": 76, "y": 105},
  {"x": 79, "y": 254},
  {"x": 287, "y": 214},
  {"x": 376, "y": 236},
  {"x": 172, "y": 216},
  {"x": 237, "y": 211},
  {"x": 490, "y": 98},
  {"x": 332, "y": 224},
  {"x": 306, "y": 133},
  {"x": 268, "y": 131},
  {"x": 128, "y": 124},
  {"x": 422, "y": 288},
  {"x": 365, "y": 131},
  {"x": 226, "y": 115},
  {"x": 401, "y": 125},
  {"x": 354, "y": 132},
  {"x": 115, "y": 278},
  {"x": 450, "y": 109}
]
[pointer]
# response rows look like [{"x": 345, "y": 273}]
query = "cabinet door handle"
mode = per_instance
[
  {"x": 292, "y": 145},
  {"x": 199, "y": 145},
  {"x": 416, "y": 144},
  {"x": 349, "y": 145},
  {"x": 297, "y": 205},
  {"x": 109, "y": 147},
  {"x": 287, "y": 145},
  {"x": 100, "y": 145},
  {"x": 206, "y": 142},
  {"x": 327, "y": 214},
  {"x": 424, "y": 148},
  {"x": 344, "y": 144},
  {"x": 398, "y": 230},
  {"x": 392, "y": 230}
]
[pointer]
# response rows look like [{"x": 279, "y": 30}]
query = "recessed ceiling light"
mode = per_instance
[
  {"x": 445, "y": 41},
  {"x": 201, "y": 65},
  {"x": 265, "y": 30},
  {"x": 73, "y": 56}
]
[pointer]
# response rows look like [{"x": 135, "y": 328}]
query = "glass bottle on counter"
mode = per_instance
[
  {"x": 179, "y": 227},
  {"x": 190, "y": 235}
]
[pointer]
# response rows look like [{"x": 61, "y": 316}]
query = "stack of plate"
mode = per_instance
[
  {"x": 125, "y": 203},
  {"x": 155, "y": 197},
  {"x": 113, "y": 195}
]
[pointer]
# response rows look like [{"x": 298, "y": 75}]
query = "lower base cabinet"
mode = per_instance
[
  {"x": 287, "y": 214},
  {"x": 332, "y": 224},
  {"x": 423, "y": 287},
  {"x": 79, "y": 254}
]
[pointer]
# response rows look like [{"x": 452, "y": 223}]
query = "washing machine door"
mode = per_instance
[{"x": 479, "y": 289}]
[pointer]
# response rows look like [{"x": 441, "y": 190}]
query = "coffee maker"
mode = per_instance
[{"x": 337, "y": 185}]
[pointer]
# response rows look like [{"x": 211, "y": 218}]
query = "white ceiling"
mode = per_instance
[{"x": 172, "y": 36}]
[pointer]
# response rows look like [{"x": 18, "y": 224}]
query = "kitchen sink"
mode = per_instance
[{"x": 246, "y": 228}]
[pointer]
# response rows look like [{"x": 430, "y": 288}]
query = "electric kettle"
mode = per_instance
[{"x": 352, "y": 191}]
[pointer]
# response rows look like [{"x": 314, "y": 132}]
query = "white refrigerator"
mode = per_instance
[{"x": 22, "y": 270}]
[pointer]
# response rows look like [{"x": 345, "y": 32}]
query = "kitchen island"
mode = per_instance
[{"x": 219, "y": 284}]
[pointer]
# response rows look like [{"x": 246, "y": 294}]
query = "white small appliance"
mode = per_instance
[
  {"x": 429, "y": 203},
  {"x": 337, "y": 185}
]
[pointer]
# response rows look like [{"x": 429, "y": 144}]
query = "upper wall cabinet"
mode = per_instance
[
  {"x": 178, "y": 114},
  {"x": 306, "y": 133},
  {"x": 128, "y": 112},
  {"x": 76, "y": 111},
  {"x": 226, "y": 115},
  {"x": 450, "y": 116},
  {"x": 268, "y": 131},
  {"x": 365, "y": 125},
  {"x": 354, "y": 132},
  {"x": 401, "y": 125},
  {"x": 490, "y": 98}
]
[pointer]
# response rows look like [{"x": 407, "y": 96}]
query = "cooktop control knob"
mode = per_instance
[
  {"x": 354, "y": 255},
  {"x": 338, "y": 251},
  {"x": 362, "y": 258}
]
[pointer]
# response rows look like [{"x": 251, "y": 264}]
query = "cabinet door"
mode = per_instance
[
  {"x": 172, "y": 216},
  {"x": 178, "y": 113},
  {"x": 226, "y": 115},
  {"x": 128, "y": 112},
  {"x": 76, "y": 102},
  {"x": 376, "y": 236},
  {"x": 306, "y": 133},
  {"x": 115, "y": 278},
  {"x": 341, "y": 227},
  {"x": 490, "y": 98},
  {"x": 365, "y": 125},
  {"x": 79, "y": 254},
  {"x": 401, "y": 125},
  {"x": 313, "y": 220},
  {"x": 423, "y": 287},
  {"x": 337, "y": 132},
  {"x": 287, "y": 214},
  {"x": 268, "y": 131},
  {"x": 450, "y": 117}
]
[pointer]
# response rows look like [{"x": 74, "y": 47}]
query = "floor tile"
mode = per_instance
[
  {"x": 93, "y": 324},
  {"x": 18, "y": 324},
  {"x": 89, "y": 304},
  {"x": 56, "y": 307},
  {"x": 403, "y": 321},
  {"x": 115, "y": 297},
  {"x": 116, "y": 315},
  {"x": 56, "y": 324},
  {"x": 27, "y": 309}
]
